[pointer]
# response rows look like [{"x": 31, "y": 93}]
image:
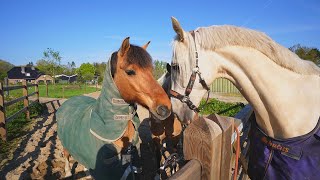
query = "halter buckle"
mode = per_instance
[
  {"x": 196, "y": 70},
  {"x": 185, "y": 99}
]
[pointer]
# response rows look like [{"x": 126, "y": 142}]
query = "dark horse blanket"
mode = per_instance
[
  {"x": 87, "y": 127},
  {"x": 293, "y": 158}
]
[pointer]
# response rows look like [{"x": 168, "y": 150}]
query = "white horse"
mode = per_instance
[{"x": 283, "y": 90}]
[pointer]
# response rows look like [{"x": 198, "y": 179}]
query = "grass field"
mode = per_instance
[
  {"x": 55, "y": 91},
  {"x": 218, "y": 107},
  {"x": 66, "y": 91}
]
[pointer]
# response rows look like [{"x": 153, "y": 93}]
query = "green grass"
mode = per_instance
[
  {"x": 218, "y": 107},
  {"x": 56, "y": 91}
]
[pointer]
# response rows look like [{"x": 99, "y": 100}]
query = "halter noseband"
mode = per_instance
[{"x": 185, "y": 98}]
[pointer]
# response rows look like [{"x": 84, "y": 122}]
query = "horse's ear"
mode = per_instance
[
  {"x": 177, "y": 28},
  {"x": 124, "y": 46},
  {"x": 169, "y": 68},
  {"x": 146, "y": 45}
]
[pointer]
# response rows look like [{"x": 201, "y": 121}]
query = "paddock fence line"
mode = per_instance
[{"x": 4, "y": 104}]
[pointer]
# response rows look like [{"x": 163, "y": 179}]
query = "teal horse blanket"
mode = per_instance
[{"x": 87, "y": 127}]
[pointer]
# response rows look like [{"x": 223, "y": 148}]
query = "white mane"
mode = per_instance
[{"x": 215, "y": 37}]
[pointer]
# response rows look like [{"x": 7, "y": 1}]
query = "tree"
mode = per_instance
[
  {"x": 307, "y": 53},
  {"x": 4, "y": 68},
  {"x": 100, "y": 69},
  {"x": 86, "y": 72},
  {"x": 43, "y": 66},
  {"x": 71, "y": 68},
  {"x": 53, "y": 58},
  {"x": 159, "y": 68}
]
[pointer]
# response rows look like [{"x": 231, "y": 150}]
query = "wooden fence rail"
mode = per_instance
[
  {"x": 24, "y": 98},
  {"x": 209, "y": 143}
]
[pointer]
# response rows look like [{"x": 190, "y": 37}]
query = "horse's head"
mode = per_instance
[
  {"x": 184, "y": 62},
  {"x": 131, "y": 68}
]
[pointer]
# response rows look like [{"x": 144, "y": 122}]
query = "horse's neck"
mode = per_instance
[{"x": 286, "y": 104}]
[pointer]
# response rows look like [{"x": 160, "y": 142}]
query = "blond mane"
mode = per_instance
[{"x": 215, "y": 37}]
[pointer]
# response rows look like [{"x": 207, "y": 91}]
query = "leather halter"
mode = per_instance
[{"x": 196, "y": 71}]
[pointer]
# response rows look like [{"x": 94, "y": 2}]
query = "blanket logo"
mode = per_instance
[{"x": 275, "y": 146}]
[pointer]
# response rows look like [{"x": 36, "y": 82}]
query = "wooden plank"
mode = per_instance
[
  {"x": 202, "y": 141},
  {"x": 37, "y": 91},
  {"x": 9, "y": 88},
  {"x": 3, "y": 132},
  {"x": 31, "y": 94},
  {"x": 16, "y": 114},
  {"x": 6, "y": 104},
  {"x": 226, "y": 125},
  {"x": 26, "y": 100},
  {"x": 190, "y": 171}
]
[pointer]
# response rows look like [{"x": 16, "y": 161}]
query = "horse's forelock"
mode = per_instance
[
  {"x": 138, "y": 56},
  {"x": 135, "y": 55},
  {"x": 184, "y": 56}
]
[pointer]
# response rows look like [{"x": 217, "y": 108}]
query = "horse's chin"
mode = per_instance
[{"x": 157, "y": 117}]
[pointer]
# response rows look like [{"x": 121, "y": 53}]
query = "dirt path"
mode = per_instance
[{"x": 39, "y": 155}]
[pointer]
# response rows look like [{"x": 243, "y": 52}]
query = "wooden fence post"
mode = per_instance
[
  {"x": 37, "y": 91},
  {"x": 202, "y": 141},
  {"x": 26, "y": 99},
  {"x": 46, "y": 89},
  {"x": 3, "y": 131},
  {"x": 227, "y": 125},
  {"x": 6, "y": 81}
]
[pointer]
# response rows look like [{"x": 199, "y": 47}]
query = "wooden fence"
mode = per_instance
[
  {"x": 24, "y": 98},
  {"x": 222, "y": 85},
  {"x": 209, "y": 145}
]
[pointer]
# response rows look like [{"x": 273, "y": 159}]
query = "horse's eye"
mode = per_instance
[
  {"x": 175, "y": 66},
  {"x": 130, "y": 72}
]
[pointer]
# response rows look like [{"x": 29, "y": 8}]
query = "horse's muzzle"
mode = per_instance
[{"x": 163, "y": 111}]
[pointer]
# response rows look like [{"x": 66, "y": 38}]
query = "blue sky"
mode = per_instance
[{"x": 88, "y": 31}]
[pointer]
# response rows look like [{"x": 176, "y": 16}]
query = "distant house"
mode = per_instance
[
  {"x": 29, "y": 73},
  {"x": 62, "y": 78},
  {"x": 45, "y": 79}
]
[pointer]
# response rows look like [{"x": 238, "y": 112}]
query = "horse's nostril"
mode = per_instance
[{"x": 163, "y": 111}]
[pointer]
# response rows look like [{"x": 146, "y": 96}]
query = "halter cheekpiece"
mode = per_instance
[{"x": 195, "y": 71}]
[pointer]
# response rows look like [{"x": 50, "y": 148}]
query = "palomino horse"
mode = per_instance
[
  {"x": 283, "y": 90},
  {"x": 96, "y": 132}
]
